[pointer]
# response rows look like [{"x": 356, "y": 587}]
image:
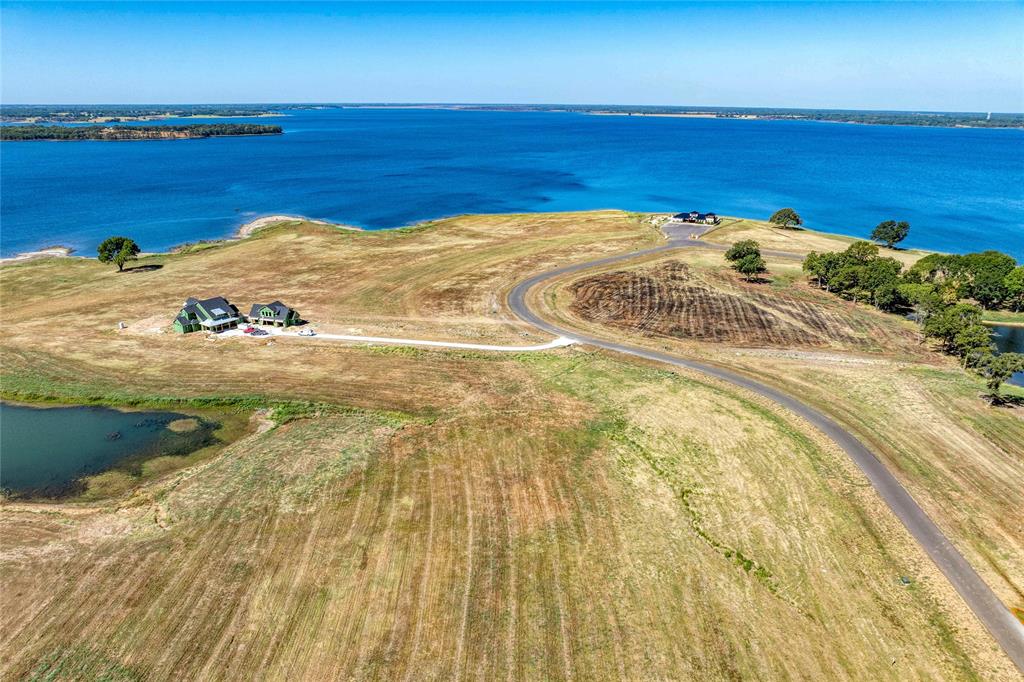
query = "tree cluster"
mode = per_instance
[
  {"x": 947, "y": 294},
  {"x": 991, "y": 278},
  {"x": 858, "y": 273},
  {"x": 122, "y": 132},
  {"x": 115, "y": 112}
]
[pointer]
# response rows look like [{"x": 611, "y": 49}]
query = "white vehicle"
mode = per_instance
[{"x": 307, "y": 332}]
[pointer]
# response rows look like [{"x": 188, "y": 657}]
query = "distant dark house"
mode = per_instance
[
  {"x": 697, "y": 217},
  {"x": 276, "y": 314},
  {"x": 212, "y": 314}
]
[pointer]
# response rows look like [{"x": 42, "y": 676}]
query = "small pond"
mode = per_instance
[
  {"x": 1010, "y": 339},
  {"x": 45, "y": 451}
]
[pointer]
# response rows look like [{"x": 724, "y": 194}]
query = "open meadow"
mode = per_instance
[
  {"x": 928, "y": 419},
  {"x": 404, "y": 514}
]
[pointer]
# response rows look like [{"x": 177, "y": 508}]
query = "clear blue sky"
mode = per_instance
[{"x": 935, "y": 56}]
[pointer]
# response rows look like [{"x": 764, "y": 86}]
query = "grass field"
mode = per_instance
[
  {"x": 962, "y": 459},
  {"x": 424, "y": 514},
  {"x": 796, "y": 241}
]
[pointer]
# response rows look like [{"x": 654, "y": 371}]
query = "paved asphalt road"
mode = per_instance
[{"x": 1004, "y": 627}]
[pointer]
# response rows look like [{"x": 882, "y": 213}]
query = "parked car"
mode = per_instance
[
  {"x": 307, "y": 332},
  {"x": 260, "y": 332},
  {"x": 249, "y": 330}
]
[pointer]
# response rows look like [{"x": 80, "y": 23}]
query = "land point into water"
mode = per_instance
[
  {"x": 194, "y": 131},
  {"x": 495, "y": 501}
]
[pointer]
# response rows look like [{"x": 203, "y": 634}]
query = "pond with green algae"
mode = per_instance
[{"x": 46, "y": 451}]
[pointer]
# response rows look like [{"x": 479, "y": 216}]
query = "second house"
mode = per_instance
[{"x": 276, "y": 314}]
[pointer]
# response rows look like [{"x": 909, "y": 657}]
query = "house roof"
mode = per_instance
[
  {"x": 696, "y": 215},
  {"x": 280, "y": 310},
  {"x": 218, "y": 308}
]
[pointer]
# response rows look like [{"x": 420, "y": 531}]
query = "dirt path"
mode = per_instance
[
  {"x": 277, "y": 333},
  {"x": 1004, "y": 627}
]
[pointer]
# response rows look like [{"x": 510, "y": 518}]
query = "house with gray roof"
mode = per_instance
[
  {"x": 210, "y": 314},
  {"x": 276, "y": 314},
  {"x": 697, "y": 217}
]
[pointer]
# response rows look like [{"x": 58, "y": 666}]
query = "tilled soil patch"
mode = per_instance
[{"x": 673, "y": 300}]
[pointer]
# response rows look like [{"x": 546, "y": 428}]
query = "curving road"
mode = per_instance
[{"x": 997, "y": 619}]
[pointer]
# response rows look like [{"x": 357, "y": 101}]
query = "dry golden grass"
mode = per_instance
[
  {"x": 445, "y": 281},
  {"x": 797, "y": 241},
  {"x": 564, "y": 515},
  {"x": 575, "y": 524},
  {"x": 962, "y": 459},
  {"x": 441, "y": 280}
]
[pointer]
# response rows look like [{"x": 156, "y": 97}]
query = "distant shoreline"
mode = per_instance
[
  {"x": 852, "y": 117},
  {"x": 119, "y": 132},
  {"x": 72, "y": 113},
  {"x": 755, "y": 117}
]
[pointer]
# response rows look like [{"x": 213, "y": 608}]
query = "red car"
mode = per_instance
[{"x": 249, "y": 330}]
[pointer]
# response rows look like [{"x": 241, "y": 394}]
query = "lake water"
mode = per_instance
[
  {"x": 43, "y": 451},
  {"x": 961, "y": 189},
  {"x": 1010, "y": 340}
]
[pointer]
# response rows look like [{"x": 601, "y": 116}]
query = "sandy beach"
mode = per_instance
[
  {"x": 694, "y": 114},
  {"x": 259, "y": 223},
  {"x": 50, "y": 252}
]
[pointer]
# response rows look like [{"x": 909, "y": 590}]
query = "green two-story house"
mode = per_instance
[
  {"x": 211, "y": 314},
  {"x": 276, "y": 314}
]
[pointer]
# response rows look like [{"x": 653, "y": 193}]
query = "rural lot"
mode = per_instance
[{"x": 404, "y": 513}]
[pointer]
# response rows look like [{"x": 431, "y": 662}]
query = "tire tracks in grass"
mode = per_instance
[
  {"x": 381, "y": 565},
  {"x": 468, "y": 578},
  {"x": 556, "y": 569},
  {"x": 423, "y": 592},
  {"x": 511, "y": 596}
]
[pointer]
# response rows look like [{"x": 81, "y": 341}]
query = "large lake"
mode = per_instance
[{"x": 961, "y": 189}]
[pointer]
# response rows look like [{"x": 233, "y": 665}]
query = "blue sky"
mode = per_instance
[{"x": 932, "y": 56}]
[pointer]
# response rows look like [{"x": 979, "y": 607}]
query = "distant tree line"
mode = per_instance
[
  {"x": 64, "y": 113},
  {"x": 911, "y": 118},
  {"x": 946, "y": 293},
  {"x": 58, "y": 132}
]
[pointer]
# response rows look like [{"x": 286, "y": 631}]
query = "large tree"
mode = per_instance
[
  {"x": 890, "y": 232},
  {"x": 924, "y": 297},
  {"x": 745, "y": 257},
  {"x": 751, "y": 266},
  {"x": 742, "y": 249},
  {"x": 986, "y": 273},
  {"x": 787, "y": 218},
  {"x": 117, "y": 250},
  {"x": 946, "y": 323},
  {"x": 1014, "y": 284},
  {"x": 861, "y": 252},
  {"x": 999, "y": 368},
  {"x": 973, "y": 343}
]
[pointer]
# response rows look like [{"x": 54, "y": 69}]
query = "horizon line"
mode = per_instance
[{"x": 692, "y": 107}]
